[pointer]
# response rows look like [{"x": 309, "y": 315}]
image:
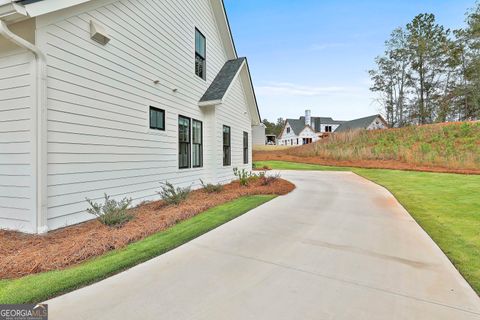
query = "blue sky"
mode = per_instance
[{"x": 315, "y": 54}]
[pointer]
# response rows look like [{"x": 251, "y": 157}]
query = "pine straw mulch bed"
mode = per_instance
[
  {"x": 369, "y": 164},
  {"x": 23, "y": 254}
]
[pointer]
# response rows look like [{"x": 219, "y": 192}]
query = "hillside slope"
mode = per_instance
[{"x": 450, "y": 147}]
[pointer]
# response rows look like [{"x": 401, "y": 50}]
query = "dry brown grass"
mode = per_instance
[
  {"x": 23, "y": 254},
  {"x": 270, "y": 148},
  {"x": 452, "y": 147}
]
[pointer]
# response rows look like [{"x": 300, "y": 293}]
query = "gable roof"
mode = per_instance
[
  {"x": 356, "y": 124},
  {"x": 318, "y": 121},
  {"x": 223, "y": 81},
  {"x": 296, "y": 125},
  {"x": 220, "y": 85}
]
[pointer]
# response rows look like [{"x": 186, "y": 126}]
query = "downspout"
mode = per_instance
[{"x": 40, "y": 123}]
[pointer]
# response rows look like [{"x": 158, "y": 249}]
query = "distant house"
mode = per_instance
[
  {"x": 115, "y": 97},
  {"x": 374, "y": 122},
  {"x": 306, "y": 129}
]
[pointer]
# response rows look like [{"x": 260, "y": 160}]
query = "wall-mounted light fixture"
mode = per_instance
[{"x": 98, "y": 33}]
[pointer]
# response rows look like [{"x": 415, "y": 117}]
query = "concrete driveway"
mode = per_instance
[{"x": 338, "y": 247}]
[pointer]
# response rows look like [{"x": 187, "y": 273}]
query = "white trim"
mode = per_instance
[{"x": 210, "y": 103}]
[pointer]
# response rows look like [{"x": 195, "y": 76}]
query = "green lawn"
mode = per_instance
[
  {"x": 40, "y": 287},
  {"x": 447, "y": 206}
]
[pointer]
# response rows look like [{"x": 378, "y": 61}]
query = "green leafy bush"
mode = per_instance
[
  {"x": 112, "y": 213},
  {"x": 243, "y": 176},
  {"x": 172, "y": 195},
  {"x": 211, "y": 188}
]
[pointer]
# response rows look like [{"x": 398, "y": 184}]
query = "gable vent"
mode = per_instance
[{"x": 98, "y": 33}]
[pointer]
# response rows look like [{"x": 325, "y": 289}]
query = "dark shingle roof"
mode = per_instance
[
  {"x": 297, "y": 125},
  {"x": 361, "y": 123},
  {"x": 223, "y": 80}
]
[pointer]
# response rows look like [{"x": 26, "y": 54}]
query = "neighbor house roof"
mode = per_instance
[
  {"x": 296, "y": 125},
  {"x": 220, "y": 85},
  {"x": 361, "y": 123},
  {"x": 318, "y": 121}
]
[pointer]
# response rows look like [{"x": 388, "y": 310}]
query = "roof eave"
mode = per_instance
[
  {"x": 12, "y": 12},
  {"x": 209, "y": 103}
]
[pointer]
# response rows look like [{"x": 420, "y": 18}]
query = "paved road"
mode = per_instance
[{"x": 338, "y": 247}]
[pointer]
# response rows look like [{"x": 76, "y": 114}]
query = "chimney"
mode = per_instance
[{"x": 308, "y": 117}]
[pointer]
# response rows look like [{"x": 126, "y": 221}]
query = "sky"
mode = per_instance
[{"x": 315, "y": 54}]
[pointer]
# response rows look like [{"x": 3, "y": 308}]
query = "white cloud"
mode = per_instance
[{"x": 290, "y": 89}]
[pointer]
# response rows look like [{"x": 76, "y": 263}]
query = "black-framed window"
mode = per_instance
[
  {"x": 245, "y": 147},
  {"x": 200, "y": 54},
  {"x": 183, "y": 142},
  {"x": 288, "y": 130},
  {"x": 328, "y": 128},
  {"x": 197, "y": 143},
  {"x": 227, "y": 148},
  {"x": 157, "y": 119}
]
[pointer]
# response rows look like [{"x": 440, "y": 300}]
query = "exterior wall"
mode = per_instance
[
  {"x": 17, "y": 192},
  {"x": 308, "y": 134},
  {"x": 258, "y": 135},
  {"x": 377, "y": 124},
  {"x": 232, "y": 113},
  {"x": 99, "y": 96},
  {"x": 286, "y": 138},
  {"x": 334, "y": 127}
]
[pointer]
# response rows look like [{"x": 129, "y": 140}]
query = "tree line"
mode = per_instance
[
  {"x": 428, "y": 73},
  {"x": 274, "y": 128}
]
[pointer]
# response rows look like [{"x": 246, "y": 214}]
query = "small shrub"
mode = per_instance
[
  {"x": 266, "y": 180},
  {"x": 244, "y": 177},
  {"x": 211, "y": 188},
  {"x": 172, "y": 195},
  {"x": 112, "y": 213}
]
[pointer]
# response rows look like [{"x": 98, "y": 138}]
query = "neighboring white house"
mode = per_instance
[
  {"x": 115, "y": 97},
  {"x": 375, "y": 122},
  {"x": 306, "y": 129}
]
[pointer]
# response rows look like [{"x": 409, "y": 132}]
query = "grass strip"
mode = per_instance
[{"x": 40, "y": 287}]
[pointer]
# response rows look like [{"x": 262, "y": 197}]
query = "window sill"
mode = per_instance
[{"x": 155, "y": 132}]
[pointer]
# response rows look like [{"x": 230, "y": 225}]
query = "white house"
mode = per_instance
[
  {"x": 306, "y": 129},
  {"x": 109, "y": 96}
]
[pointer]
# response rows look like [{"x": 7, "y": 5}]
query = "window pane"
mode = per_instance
[
  {"x": 153, "y": 118},
  {"x": 197, "y": 155},
  {"x": 184, "y": 142},
  {"x": 200, "y": 47},
  {"x": 197, "y": 132},
  {"x": 160, "y": 123},
  {"x": 183, "y": 156}
]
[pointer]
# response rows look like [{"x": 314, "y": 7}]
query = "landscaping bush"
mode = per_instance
[
  {"x": 211, "y": 188},
  {"x": 112, "y": 213},
  {"x": 266, "y": 180},
  {"x": 172, "y": 195},
  {"x": 244, "y": 176}
]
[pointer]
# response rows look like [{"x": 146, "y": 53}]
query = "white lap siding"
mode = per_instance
[
  {"x": 16, "y": 125},
  {"x": 99, "y": 97},
  {"x": 233, "y": 113}
]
